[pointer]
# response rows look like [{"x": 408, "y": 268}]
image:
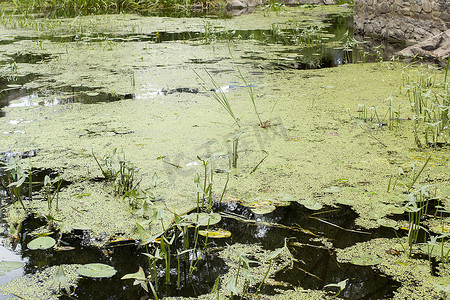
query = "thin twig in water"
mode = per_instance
[
  {"x": 337, "y": 226},
  {"x": 260, "y": 162},
  {"x": 310, "y": 274},
  {"x": 366, "y": 130},
  {"x": 253, "y": 222}
]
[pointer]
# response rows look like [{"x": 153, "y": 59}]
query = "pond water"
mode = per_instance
[{"x": 256, "y": 117}]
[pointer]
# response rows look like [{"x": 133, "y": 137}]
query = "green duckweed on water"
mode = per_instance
[{"x": 155, "y": 111}]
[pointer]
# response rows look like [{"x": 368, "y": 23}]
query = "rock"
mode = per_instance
[
  {"x": 426, "y": 4},
  {"x": 437, "y": 46},
  {"x": 239, "y": 4},
  {"x": 243, "y": 3}
]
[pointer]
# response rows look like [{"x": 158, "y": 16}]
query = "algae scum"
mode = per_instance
[{"x": 268, "y": 155}]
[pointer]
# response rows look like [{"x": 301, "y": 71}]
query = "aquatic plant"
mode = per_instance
[
  {"x": 140, "y": 279},
  {"x": 218, "y": 95},
  {"x": 206, "y": 188},
  {"x": 118, "y": 170},
  {"x": 165, "y": 251},
  {"x": 51, "y": 188},
  {"x": 250, "y": 93},
  {"x": 416, "y": 207},
  {"x": 234, "y": 149},
  {"x": 393, "y": 114},
  {"x": 244, "y": 268},
  {"x": 271, "y": 257},
  {"x": 272, "y": 6},
  {"x": 152, "y": 259},
  {"x": 16, "y": 175},
  {"x": 341, "y": 285},
  {"x": 209, "y": 34},
  {"x": 429, "y": 101}
]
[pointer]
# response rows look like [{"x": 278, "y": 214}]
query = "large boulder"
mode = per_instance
[{"x": 437, "y": 46}]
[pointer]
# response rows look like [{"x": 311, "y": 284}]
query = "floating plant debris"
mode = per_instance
[
  {"x": 215, "y": 234},
  {"x": 6, "y": 266},
  {"x": 366, "y": 260}
]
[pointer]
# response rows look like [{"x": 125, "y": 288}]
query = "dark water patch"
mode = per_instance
[
  {"x": 29, "y": 190},
  {"x": 5, "y": 156},
  {"x": 320, "y": 268},
  {"x": 203, "y": 61},
  {"x": 11, "y": 88},
  {"x": 178, "y": 90},
  {"x": 63, "y": 95},
  {"x": 126, "y": 257},
  {"x": 299, "y": 224},
  {"x": 315, "y": 264},
  {"x": 31, "y": 58}
]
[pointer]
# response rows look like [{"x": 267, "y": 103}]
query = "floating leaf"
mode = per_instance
[
  {"x": 97, "y": 270},
  {"x": 203, "y": 219},
  {"x": 285, "y": 197},
  {"x": 445, "y": 289},
  {"x": 310, "y": 203},
  {"x": 366, "y": 260},
  {"x": 345, "y": 201},
  {"x": 388, "y": 223},
  {"x": 260, "y": 207},
  {"x": 6, "y": 266},
  {"x": 275, "y": 253},
  {"x": 42, "y": 243},
  {"x": 215, "y": 234},
  {"x": 263, "y": 210},
  {"x": 332, "y": 190}
]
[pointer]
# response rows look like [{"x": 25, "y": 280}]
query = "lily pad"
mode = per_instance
[
  {"x": 203, "y": 219},
  {"x": 215, "y": 234},
  {"x": 388, "y": 223},
  {"x": 345, "y": 201},
  {"x": 6, "y": 266},
  {"x": 44, "y": 242},
  {"x": 97, "y": 270},
  {"x": 366, "y": 260},
  {"x": 259, "y": 206},
  {"x": 310, "y": 203},
  {"x": 285, "y": 197},
  {"x": 332, "y": 190},
  {"x": 263, "y": 209}
]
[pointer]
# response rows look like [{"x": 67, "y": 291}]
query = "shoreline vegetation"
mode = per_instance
[{"x": 73, "y": 8}]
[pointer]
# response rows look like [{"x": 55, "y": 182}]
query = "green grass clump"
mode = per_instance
[
  {"x": 71, "y": 8},
  {"x": 117, "y": 169}
]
